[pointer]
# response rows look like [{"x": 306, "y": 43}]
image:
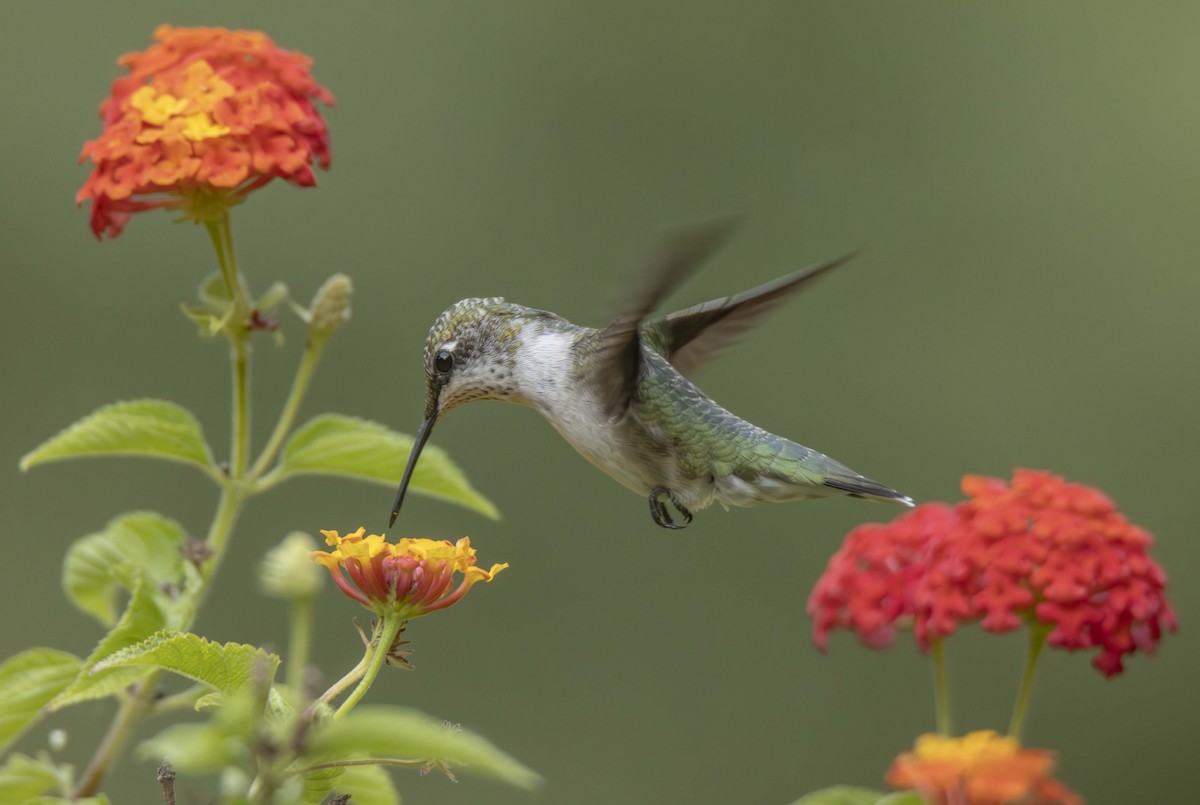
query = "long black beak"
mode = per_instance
[{"x": 422, "y": 437}]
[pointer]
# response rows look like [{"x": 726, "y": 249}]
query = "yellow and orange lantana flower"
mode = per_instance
[
  {"x": 204, "y": 116},
  {"x": 981, "y": 768},
  {"x": 411, "y": 577}
]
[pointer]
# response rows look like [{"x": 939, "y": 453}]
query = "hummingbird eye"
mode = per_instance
[{"x": 444, "y": 361}]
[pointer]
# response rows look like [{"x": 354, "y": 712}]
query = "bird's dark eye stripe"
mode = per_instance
[{"x": 444, "y": 361}]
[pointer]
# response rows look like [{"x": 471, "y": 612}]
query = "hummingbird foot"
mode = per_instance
[{"x": 658, "y": 509}]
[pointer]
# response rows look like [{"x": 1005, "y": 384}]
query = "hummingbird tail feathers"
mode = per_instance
[{"x": 859, "y": 487}]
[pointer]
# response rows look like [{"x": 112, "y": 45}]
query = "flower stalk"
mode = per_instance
[
  {"x": 287, "y": 418},
  {"x": 1037, "y": 641},
  {"x": 374, "y": 658},
  {"x": 299, "y": 640},
  {"x": 351, "y": 676},
  {"x": 941, "y": 687},
  {"x": 133, "y": 709}
]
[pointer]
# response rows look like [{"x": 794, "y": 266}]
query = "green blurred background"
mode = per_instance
[{"x": 1022, "y": 178}]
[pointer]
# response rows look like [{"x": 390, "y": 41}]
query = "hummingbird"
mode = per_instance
[{"x": 622, "y": 397}]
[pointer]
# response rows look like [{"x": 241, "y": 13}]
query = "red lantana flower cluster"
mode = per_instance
[
  {"x": 1038, "y": 550},
  {"x": 205, "y": 116}
]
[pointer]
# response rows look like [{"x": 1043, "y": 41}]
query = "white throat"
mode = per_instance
[{"x": 543, "y": 370}]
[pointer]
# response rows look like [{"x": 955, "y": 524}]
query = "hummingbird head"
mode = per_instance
[{"x": 470, "y": 354}]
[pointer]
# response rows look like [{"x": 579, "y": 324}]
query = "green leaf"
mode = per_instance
[
  {"x": 221, "y": 741},
  {"x": 849, "y": 795},
  {"x": 368, "y": 785},
  {"x": 397, "y": 732},
  {"x": 279, "y": 709},
  {"x": 28, "y": 681},
  {"x": 142, "y": 618},
  {"x": 319, "y": 783},
  {"x": 22, "y": 778},
  {"x": 138, "y": 427},
  {"x": 902, "y": 798},
  {"x": 331, "y": 444},
  {"x": 97, "y": 800},
  {"x": 198, "y": 748},
  {"x": 226, "y": 668},
  {"x": 93, "y": 572},
  {"x": 209, "y": 324}
]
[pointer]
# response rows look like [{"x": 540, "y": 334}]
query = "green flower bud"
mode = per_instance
[
  {"x": 331, "y": 306},
  {"x": 288, "y": 571}
]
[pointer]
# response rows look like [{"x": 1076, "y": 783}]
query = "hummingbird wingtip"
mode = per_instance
[{"x": 906, "y": 501}]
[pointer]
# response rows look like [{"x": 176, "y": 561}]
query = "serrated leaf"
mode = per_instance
[
  {"x": 141, "y": 618},
  {"x": 850, "y": 795},
  {"x": 28, "y": 681},
  {"x": 368, "y": 785},
  {"x": 22, "y": 778},
  {"x": 93, "y": 573},
  {"x": 153, "y": 428},
  {"x": 332, "y": 444},
  {"x": 226, "y": 668},
  {"x": 397, "y": 732}
]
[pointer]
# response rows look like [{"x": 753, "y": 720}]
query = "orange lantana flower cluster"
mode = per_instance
[
  {"x": 1038, "y": 550},
  {"x": 411, "y": 577},
  {"x": 205, "y": 116},
  {"x": 981, "y": 768}
]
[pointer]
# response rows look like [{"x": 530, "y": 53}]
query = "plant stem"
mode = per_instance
[
  {"x": 222, "y": 238},
  {"x": 377, "y": 651},
  {"x": 240, "y": 447},
  {"x": 133, "y": 709},
  {"x": 298, "y": 640},
  {"x": 233, "y": 495},
  {"x": 166, "y": 778},
  {"x": 312, "y": 352},
  {"x": 352, "y": 676},
  {"x": 941, "y": 686},
  {"x": 1037, "y": 641},
  {"x": 228, "y": 508},
  {"x": 183, "y": 700}
]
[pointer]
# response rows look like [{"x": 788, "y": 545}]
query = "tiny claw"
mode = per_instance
[{"x": 658, "y": 510}]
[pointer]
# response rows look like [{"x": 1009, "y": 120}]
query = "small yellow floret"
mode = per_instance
[
  {"x": 972, "y": 749},
  {"x": 201, "y": 127},
  {"x": 156, "y": 108}
]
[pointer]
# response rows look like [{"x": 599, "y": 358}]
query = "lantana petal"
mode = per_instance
[
  {"x": 1034, "y": 549},
  {"x": 203, "y": 113},
  {"x": 981, "y": 768},
  {"x": 412, "y": 576}
]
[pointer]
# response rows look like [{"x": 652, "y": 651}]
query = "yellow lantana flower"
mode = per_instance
[{"x": 412, "y": 577}]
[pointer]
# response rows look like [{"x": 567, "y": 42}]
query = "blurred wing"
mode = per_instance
[
  {"x": 618, "y": 359},
  {"x": 689, "y": 338}
]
